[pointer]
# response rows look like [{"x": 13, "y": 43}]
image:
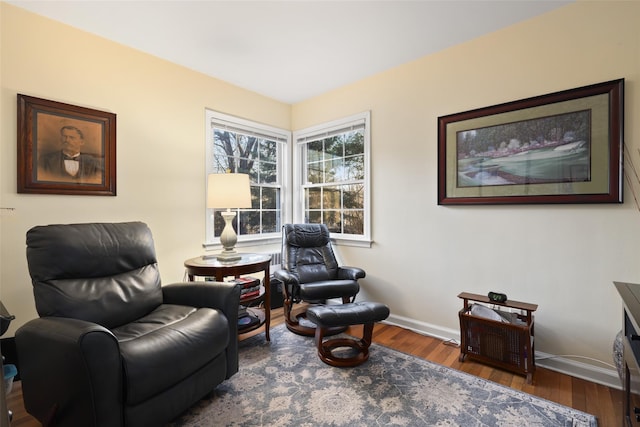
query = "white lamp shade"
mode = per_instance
[{"x": 228, "y": 191}]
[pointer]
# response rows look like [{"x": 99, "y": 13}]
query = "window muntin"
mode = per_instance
[
  {"x": 239, "y": 146},
  {"x": 334, "y": 177}
]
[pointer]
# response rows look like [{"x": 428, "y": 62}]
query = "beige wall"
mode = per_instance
[
  {"x": 563, "y": 258},
  {"x": 160, "y": 111}
]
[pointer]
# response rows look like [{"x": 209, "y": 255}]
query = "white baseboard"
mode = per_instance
[
  {"x": 600, "y": 375},
  {"x": 423, "y": 328},
  {"x": 596, "y": 374}
]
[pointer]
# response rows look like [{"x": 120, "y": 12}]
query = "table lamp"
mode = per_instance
[{"x": 228, "y": 191}]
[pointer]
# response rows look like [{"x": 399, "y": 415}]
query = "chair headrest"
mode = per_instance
[
  {"x": 307, "y": 235},
  {"x": 104, "y": 273},
  {"x": 88, "y": 250}
]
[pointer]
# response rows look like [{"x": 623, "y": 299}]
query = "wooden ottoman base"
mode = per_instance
[
  {"x": 328, "y": 317},
  {"x": 361, "y": 346}
]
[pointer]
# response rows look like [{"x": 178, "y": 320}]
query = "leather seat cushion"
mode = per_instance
[
  {"x": 357, "y": 313},
  {"x": 327, "y": 289},
  {"x": 167, "y": 345}
]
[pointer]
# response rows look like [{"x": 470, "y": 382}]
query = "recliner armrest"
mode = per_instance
[
  {"x": 290, "y": 281},
  {"x": 353, "y": 273},
  {"x": 71, "y": 366},
  {"x": 286, "y": 277},
  {"x": 224, "y": 296}
]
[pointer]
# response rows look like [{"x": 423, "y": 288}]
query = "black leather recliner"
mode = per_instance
[
  {"x": 310, "y": 273},
  {"x": 112, "y": 347}
]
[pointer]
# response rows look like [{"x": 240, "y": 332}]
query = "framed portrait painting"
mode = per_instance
[
  {"x": 563, "y": 147},
  {"x": 65, "y": 149}
]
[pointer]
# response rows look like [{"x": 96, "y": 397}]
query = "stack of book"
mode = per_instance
[{"x": 250, "y": 287}]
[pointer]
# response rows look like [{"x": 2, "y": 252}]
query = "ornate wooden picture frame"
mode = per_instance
[
  {"x": 65, "y": 149},
  {"x": 564, "y": 147}
]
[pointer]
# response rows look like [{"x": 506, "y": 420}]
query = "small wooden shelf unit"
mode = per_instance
[{"x": 505, "y": 345}]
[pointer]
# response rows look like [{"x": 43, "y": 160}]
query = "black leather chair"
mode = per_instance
[
  {"x": 311, "y": 273},
  {"x": 112, "y": 347}
]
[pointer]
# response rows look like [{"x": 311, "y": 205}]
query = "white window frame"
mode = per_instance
[
  {"x": 221, "y": 120},
  {"x": 303, "y": 136}
]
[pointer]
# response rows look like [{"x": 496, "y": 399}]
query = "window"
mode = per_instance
[
  {"x": 332, "y": 178},
  {"x": 241, "y": 146}
]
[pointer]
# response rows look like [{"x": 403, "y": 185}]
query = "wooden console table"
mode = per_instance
[
  {"x": 505, "y": 345},
  {"x": 247, "y": 264}
]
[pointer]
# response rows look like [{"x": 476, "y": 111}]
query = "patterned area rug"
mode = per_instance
[{"x": 285, "y": 384}]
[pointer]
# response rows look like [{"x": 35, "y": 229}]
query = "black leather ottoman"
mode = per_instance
[{"x": 357, "y": 313}]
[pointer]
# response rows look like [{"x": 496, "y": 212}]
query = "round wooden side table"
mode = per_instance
[{"x": 209, "y": 266}]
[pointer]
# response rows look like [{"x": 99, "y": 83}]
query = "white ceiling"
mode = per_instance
[{"x": 290, "y": 50}]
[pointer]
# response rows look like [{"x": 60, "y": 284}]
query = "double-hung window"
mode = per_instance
[
  {"x": 241, "y": 146},
  {"x": 331, "y": 178}
]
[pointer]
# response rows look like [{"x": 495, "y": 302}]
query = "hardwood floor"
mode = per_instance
[{"x": 603, "y": 402}]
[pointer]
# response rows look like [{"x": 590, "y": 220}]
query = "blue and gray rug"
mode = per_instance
[{"x": 285, "y": 384}]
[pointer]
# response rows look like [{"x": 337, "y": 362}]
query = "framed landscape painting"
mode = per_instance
[
  {"x": 563, "y": 147},
  {"x": 65, "y": 149}
]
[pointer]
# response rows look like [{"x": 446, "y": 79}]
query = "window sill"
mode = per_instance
[
  {"x": 341, "y": 241},
  {"x": 212, "y": 246},
  {"x": 338, "y": 241}
]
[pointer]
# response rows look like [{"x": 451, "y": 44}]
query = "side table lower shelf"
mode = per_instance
[{"x": 250, "y": 326}]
